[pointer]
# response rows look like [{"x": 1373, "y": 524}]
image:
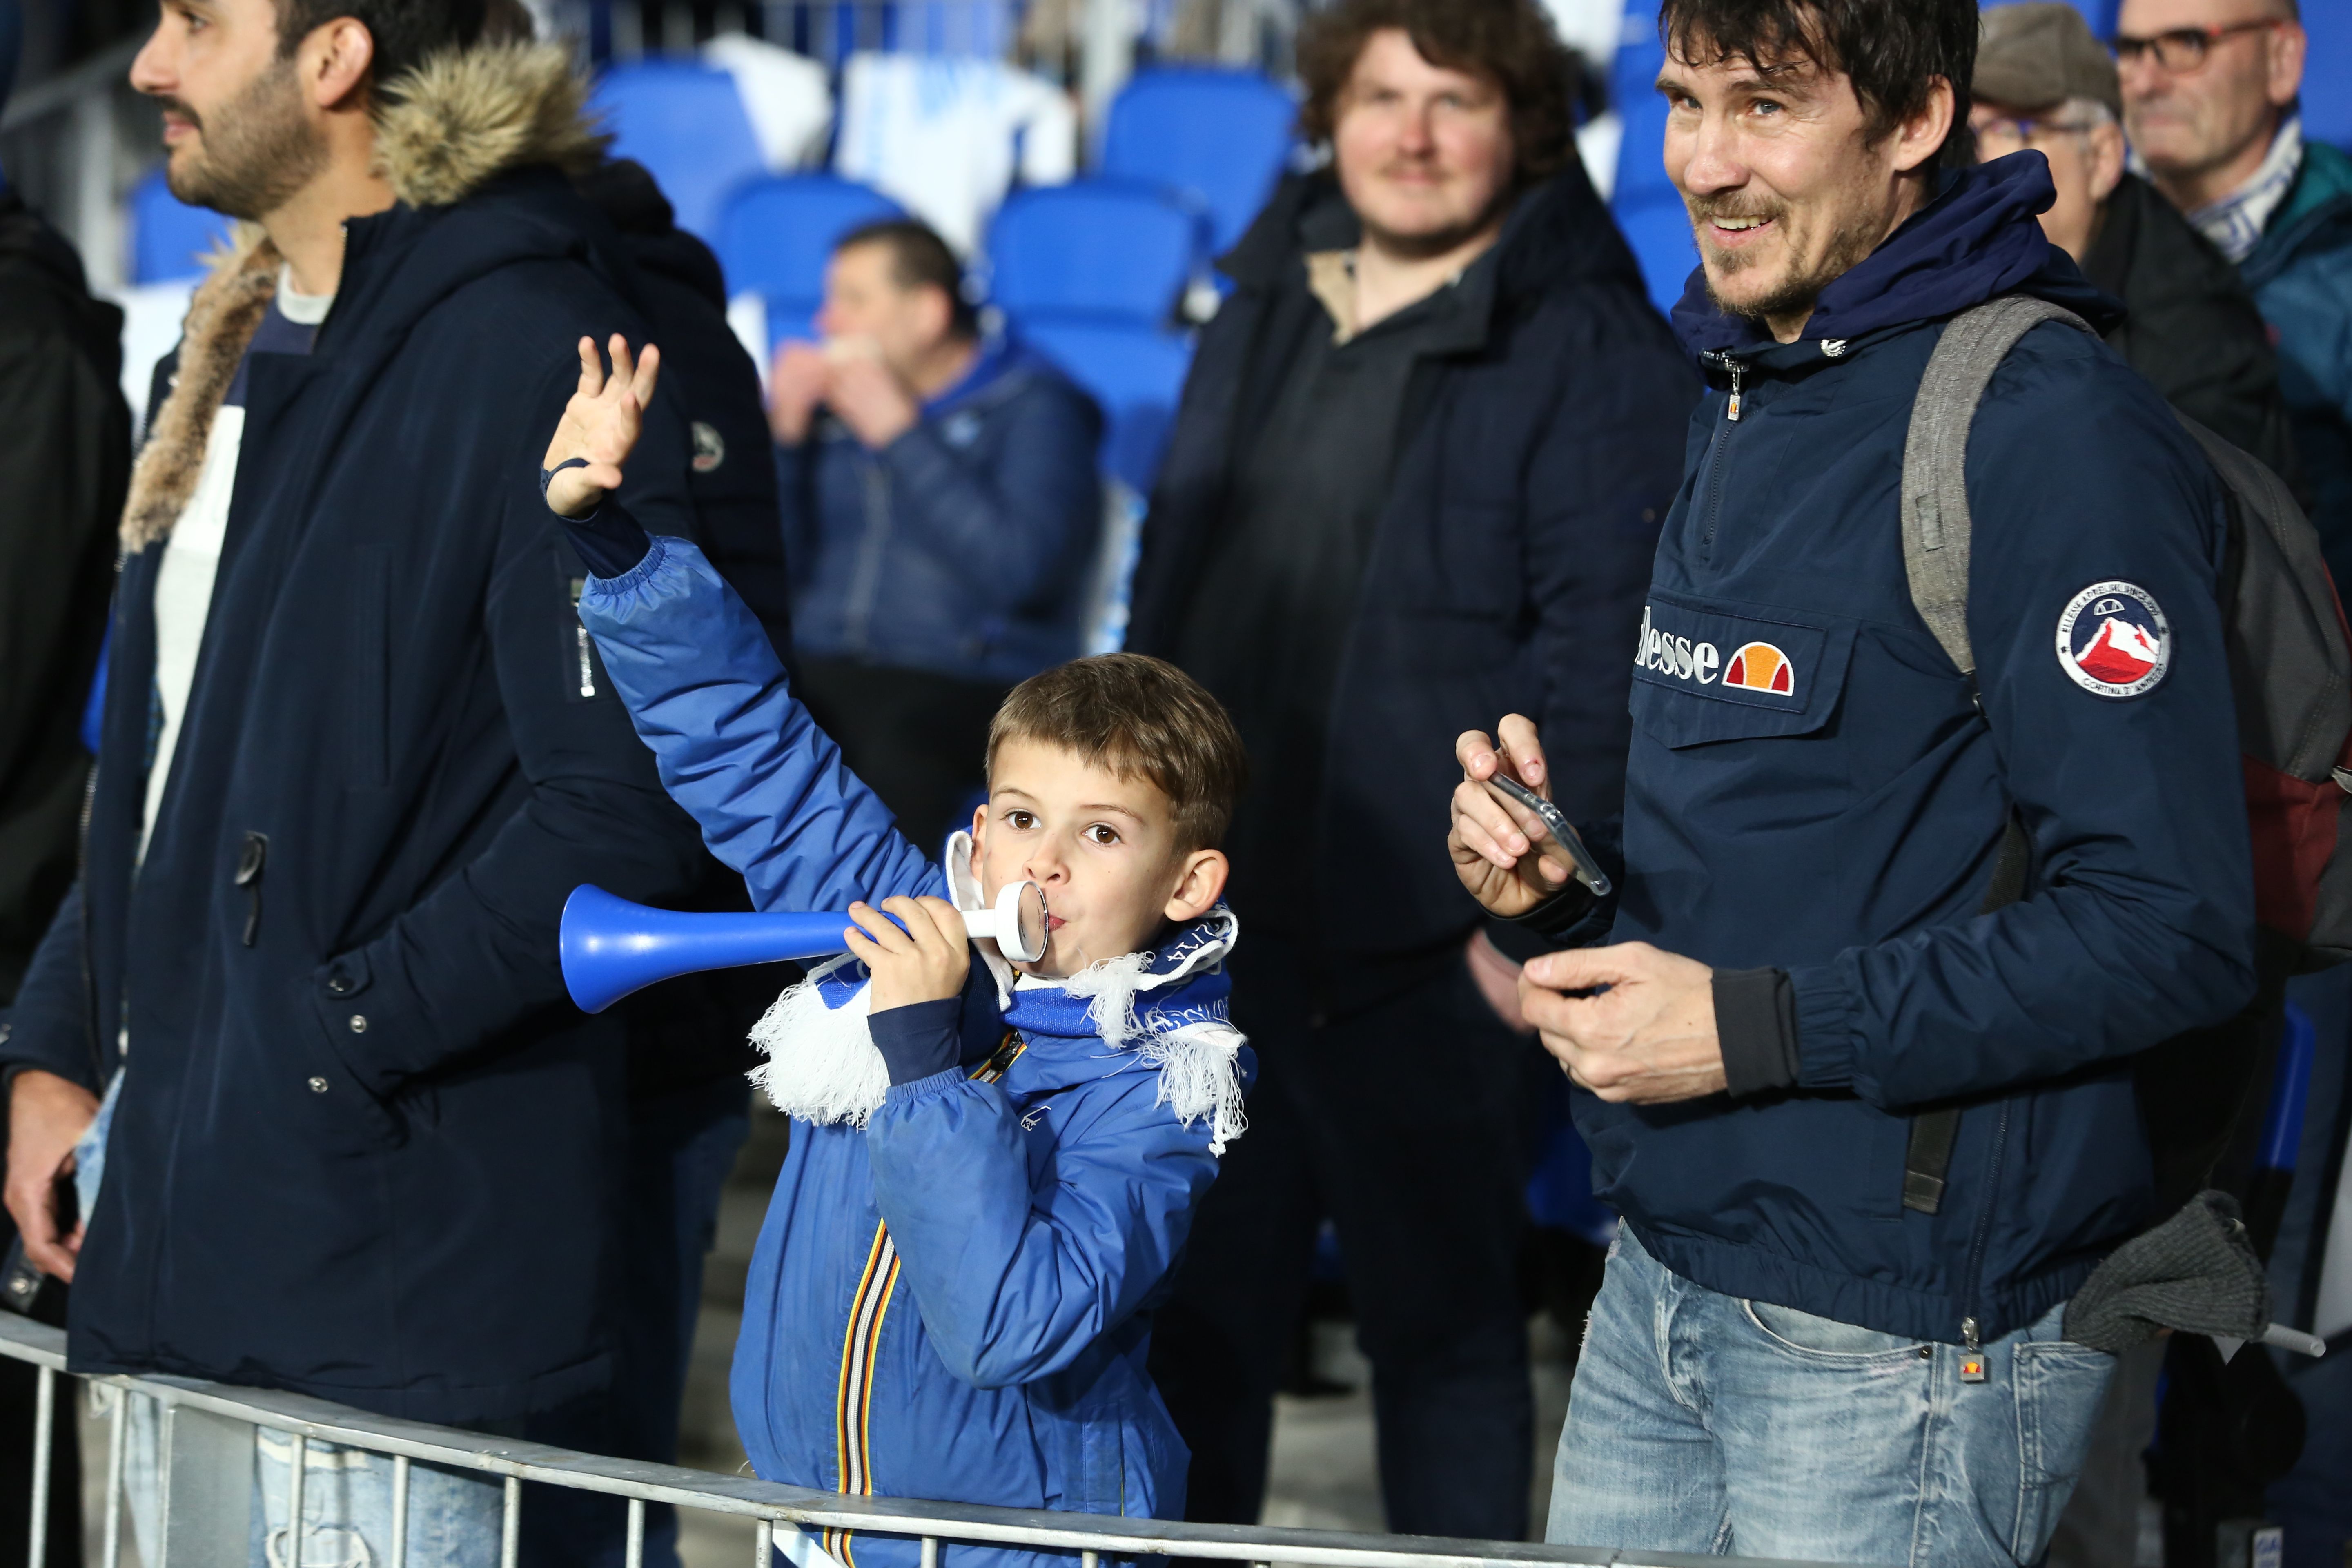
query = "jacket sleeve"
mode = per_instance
[
  {"x": 735, "y": 748},
  {"x": 1009, "y": 526},
  {"x": 49, "y": 1025},
  {"x": 2140, "y": 919},
  {"x": 1598, "y": 489},
  {"x": 1017, "y": 1276}
]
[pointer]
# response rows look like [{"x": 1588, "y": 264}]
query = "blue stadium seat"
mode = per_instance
[
  {"x": 169, "y": 239},
  {"x": 2327, "y": 73},
  {"x": 2100, "y": 14},
  {"x": 1107, "y": 249},
  {"x": 1219, "y": 137},
  {"x": 776, "y": 234},
  {"x": 1658, "y": 229},
  {"x": 1137, "y": 373},
  {"x": 686, "y": 123},
  {"x": 1633, "y": 91}
]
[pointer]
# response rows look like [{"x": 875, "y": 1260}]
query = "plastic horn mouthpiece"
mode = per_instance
[{"x": 1017, "y": 923}]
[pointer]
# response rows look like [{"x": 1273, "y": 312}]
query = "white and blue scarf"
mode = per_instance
[{"x": 1164, "y": 1009}]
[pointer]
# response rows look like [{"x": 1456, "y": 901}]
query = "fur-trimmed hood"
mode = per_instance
[{"x": 443, "y": 130}]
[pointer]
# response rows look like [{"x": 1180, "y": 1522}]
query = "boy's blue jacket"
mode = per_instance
[
  {"x": 953, "y": 1301},
  {"x": 1845, "y": 829}
]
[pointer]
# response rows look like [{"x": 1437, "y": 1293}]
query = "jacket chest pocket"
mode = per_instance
[{"x": 1706, "y": 673}]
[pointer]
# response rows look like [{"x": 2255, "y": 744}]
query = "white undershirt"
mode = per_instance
[{"x": 183, "y": 582}]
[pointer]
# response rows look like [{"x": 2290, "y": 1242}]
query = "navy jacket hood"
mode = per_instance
[{"x": 1979, "y": 238}]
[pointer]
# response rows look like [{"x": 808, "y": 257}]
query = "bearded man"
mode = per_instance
[{"x": 298, "y": 1045}]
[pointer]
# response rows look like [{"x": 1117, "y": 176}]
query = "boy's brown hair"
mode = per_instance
[{"x": 1140, "y": 718}]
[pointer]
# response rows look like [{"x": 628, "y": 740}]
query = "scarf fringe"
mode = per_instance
[{"x": 823, "y": 1065}]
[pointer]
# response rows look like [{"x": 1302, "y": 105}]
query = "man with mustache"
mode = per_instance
[
  {"x": 1892, "y": 925},
  {"x": 1417, "y": 471},
  {"x": 296, "y": 1098}
]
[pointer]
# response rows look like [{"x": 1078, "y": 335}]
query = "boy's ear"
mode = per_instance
[
  {"x": 1199, "y": 883},
  {"x": 978, "y": 835}
]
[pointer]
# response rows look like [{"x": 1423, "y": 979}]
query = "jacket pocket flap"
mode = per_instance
[{"x": 1712, "y": 672}]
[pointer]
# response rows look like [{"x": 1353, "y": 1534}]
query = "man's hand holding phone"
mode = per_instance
[{"x": 1506, "y": 855}]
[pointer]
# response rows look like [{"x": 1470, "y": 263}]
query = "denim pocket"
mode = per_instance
[
  {"x": 1825, "y": 1338},
  {"x": 2060, "y": 1386}
]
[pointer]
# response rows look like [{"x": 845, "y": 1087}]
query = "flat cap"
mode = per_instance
[{"x": 2038, "y": 55}]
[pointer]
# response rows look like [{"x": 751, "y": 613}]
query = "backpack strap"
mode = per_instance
[{"x": 1936, "y": 529}]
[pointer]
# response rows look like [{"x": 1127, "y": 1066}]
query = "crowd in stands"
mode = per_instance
[{"x": 848, "y": 481}]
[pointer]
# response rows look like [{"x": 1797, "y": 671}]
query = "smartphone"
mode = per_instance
[{"x": 1560, "y": 840}]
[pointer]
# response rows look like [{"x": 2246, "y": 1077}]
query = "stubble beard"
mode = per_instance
[
  {"x": 1797, "y": 293},
  {"x": 257, "y": 149}
]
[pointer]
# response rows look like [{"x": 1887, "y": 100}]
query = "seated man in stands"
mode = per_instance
[
  {"x": 992, "y": 1166},
  {"x": 941, "y": 512}
]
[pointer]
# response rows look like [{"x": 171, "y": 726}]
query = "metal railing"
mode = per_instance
[{"x": 206, "y": 1470}]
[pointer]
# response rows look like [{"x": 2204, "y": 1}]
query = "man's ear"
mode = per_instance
[
  {"x": 333, "y": 61},
  {"x": 1919, "y": 138},
  {"x": 2108, "y": 155},
  {"x": 1199, "y": 883},
  {"x": 2287, "y": 46}
]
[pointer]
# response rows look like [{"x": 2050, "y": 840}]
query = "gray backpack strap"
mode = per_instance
[
  {"x": 1936, "y": 535},
  {"x": 1935, "y": 525}
]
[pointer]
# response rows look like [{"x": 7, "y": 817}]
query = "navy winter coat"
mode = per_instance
[
  {"x": 1505, "y": 574},
  {"x": 363, "y": 1143},
  {"x": 1810, "y": 788},
  {"x": 965, "y": 547}
]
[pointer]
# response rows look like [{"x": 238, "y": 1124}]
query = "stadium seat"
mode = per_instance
[
  {"x": 776, "y": 234},
  {"x": 686, "y": 123},
  {"x": 2327, "y": 73},
  {"x": 1658, "y": 229},
  {"x": 169, "y": 239},
  {"x": 1633, "y": 91},
  {"x": 1221, "y": 138},
  {"x": 1135, "y": 372},
  {"x": 1101, "y": 249}
]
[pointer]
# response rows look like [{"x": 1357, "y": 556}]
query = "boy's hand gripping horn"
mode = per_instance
[{"x": 612, "y": 947}]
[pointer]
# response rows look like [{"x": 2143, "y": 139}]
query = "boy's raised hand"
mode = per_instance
[
  {"x": 927, "y": 962},
  {"x": 600, "y": 425}
]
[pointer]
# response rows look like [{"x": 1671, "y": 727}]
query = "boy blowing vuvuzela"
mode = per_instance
[{"x": 993, "y": 1167}]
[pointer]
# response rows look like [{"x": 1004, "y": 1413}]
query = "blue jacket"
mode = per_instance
[
  {"x": 363, "y": 1149},
  {"x": 2301, "y": 276},
  {"x": 966, "y": 546},
  {"x": 1839, "y": 816},
  {"x": 952, "y": 1302}
]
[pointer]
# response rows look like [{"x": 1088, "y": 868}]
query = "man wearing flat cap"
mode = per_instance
[{"x": 2043, "y": 83}]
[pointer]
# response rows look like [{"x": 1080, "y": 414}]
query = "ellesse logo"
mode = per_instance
[{"x": 1753, "y": 666}]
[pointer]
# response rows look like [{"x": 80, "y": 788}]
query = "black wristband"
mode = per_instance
[{"x": 920, "y": 1038}]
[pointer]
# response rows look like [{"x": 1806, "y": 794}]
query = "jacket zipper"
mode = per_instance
[
  {"x": 1969, "y": 1322},
  {"x": 1716, "y": 446}
]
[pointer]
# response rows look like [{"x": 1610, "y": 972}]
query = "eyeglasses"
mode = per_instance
[
  {"x": 2181, "y": 50},
  {"x": 2021, "y": 130}
]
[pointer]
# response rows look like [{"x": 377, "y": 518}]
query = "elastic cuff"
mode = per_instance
[
  {"x": 610, "y": 587},
  {"x": 923, "y": 1088},
  {"x": 1826, "y": 1015},
  {"x": 1756, "y": 1025},
  {"x": 1560, "y": 913},
  {"x": 610, "y": 540},
  {"x": 921, "y": 1039}
]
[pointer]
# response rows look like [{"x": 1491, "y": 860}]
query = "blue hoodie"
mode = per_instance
[
  {"x": 950, "y": 1297},
  {"x": 1812, "y": 789}
]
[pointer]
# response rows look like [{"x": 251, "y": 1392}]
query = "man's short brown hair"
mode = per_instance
[
  {"x": 1511, "y": 43},
  {"x": 1139, "y": 717}
]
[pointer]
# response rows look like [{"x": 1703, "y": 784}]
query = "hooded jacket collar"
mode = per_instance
[
  {"x": 446, "y": 131},
  {"x": 1977, "y": 240}
]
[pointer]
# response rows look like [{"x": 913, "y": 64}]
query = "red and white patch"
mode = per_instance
[{"x": 2114, "y": 641}]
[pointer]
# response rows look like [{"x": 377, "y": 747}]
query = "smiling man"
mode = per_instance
[
  {"x": 1862, "y": 890},
  {"x": 299, "y": 1038},
  {"x": 1417, "y": 471}
]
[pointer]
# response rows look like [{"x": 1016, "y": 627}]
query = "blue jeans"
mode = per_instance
[{"x": 1701, "y": 1423}]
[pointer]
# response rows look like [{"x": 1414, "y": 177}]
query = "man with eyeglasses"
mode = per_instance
[
  {"x": 2209, "y": 95},
  {"x": 2044, "y": 83}
]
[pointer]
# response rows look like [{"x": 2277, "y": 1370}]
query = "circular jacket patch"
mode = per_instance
[{"x": 2114, "y": 640}]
